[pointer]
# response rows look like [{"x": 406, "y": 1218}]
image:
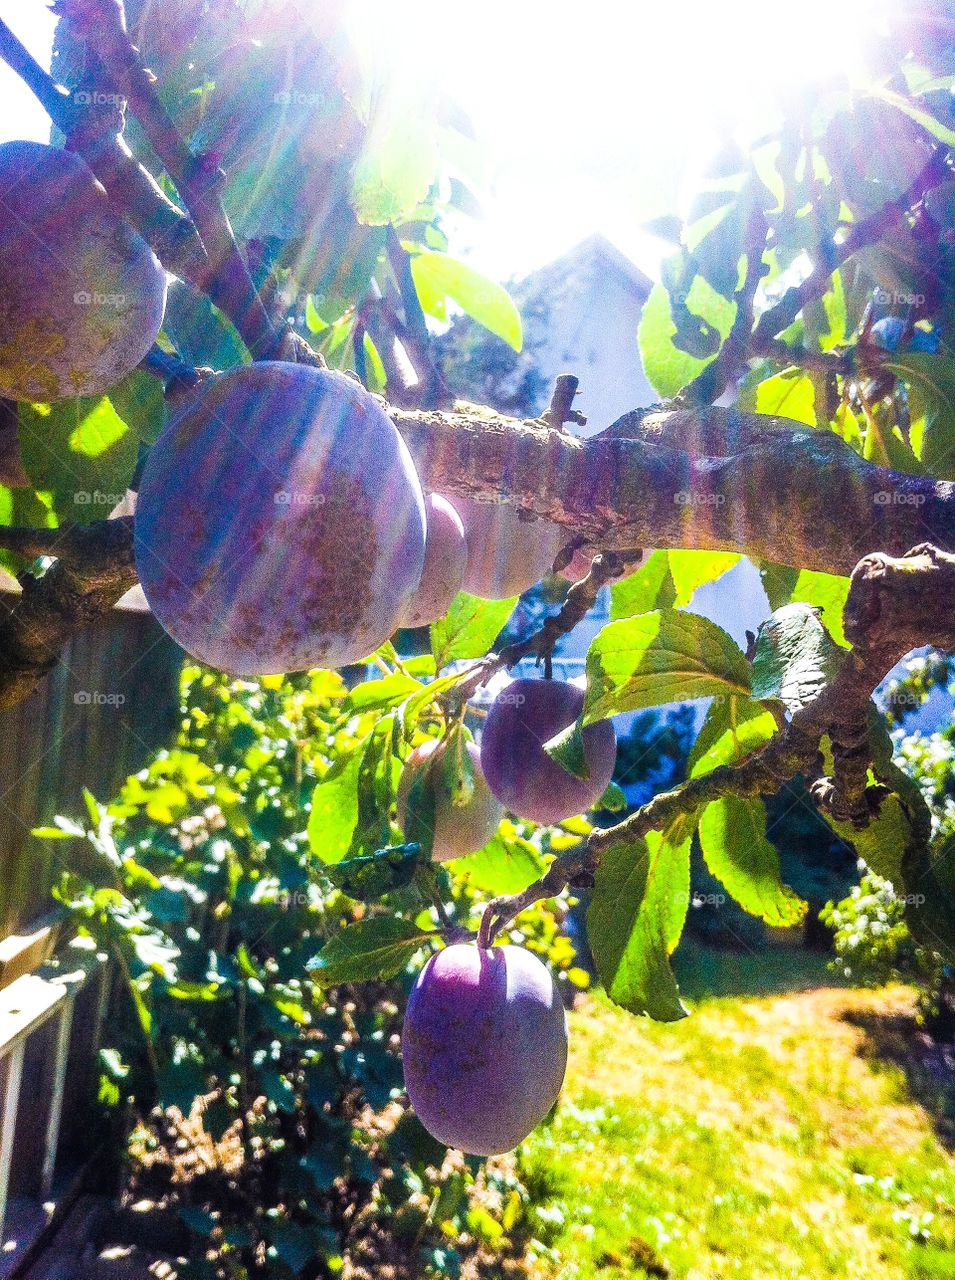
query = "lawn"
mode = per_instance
[{"x": 782, "y": 1137}]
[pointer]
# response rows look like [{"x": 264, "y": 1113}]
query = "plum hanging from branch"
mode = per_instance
[
  {"x": 82, "y": 295},
  {"x": 484, "y": 1046},
  {"x": 280, "y": 524}
]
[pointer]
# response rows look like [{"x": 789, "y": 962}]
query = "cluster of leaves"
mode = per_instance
[{"x": 230, "y": 881}]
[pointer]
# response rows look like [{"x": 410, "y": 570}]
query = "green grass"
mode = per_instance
[{"x": 763, "y": 1138}]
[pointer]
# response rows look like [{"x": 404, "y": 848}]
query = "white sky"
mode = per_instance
[{"x": 589, "y": 114}]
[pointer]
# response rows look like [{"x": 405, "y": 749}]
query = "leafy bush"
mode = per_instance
[{"x": 215, "y": 901}]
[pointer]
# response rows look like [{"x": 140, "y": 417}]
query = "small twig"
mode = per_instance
[
  {"x": 171, "y": 368},
  {"x": 56, "y": 100},
  {"x": 561, "y": 408},
  {"x": 433, "y": 391}
]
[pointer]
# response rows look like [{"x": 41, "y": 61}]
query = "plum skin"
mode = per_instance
[
  {"x": 484, "y": 1046},
  {"x": 82, "y": 295},
  {"x": 445, "y": 562},
  {"x": 279, "y": 524},
  {"x": 458, "y": 829},
  {"x": 506, "y": 555},
  {"x": 523, "y": 717}
]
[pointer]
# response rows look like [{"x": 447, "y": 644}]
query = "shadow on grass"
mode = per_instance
[
  {"x": 928, "y": 1065},
  {"x": 707, "y": 972}
]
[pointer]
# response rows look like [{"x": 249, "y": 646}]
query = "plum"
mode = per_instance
[
  {"x": 484, "y": 1046},
  {"x": 279, "y": 524},
  {"x": 523, "y": 717},
  {"x": 82, "y": 295},
  {"x": 506, "y": 554},
  {"x": 458, "y": 829},
  {"x": 445, "y": 561}
]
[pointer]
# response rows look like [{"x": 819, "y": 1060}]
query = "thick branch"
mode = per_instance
[
  {"x": 96, "y": 569},
  {"x": 712, "y": 478}
]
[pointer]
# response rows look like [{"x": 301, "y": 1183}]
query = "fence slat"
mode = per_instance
[
  {"x": 11, "y": 1103},
  {"x": 56, "y": 1098}
]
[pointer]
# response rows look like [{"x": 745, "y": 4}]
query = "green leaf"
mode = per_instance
[
  {"x": 733, "y": 729},
  {"x": 795, "y": 657},
  {"x": 140, "y": 402},
  {"x": 779, "y": 582},
  {"x": 828, "y": 592},
  {"x": 369, "y": 877},
  {"x": 334, "y": 815},
  {"x": 691, "y": 569},
  {"x": 438, "y": 276},
  {"x": 658, "y": 657},
  {"x": 506, "y": 864},
  {"x": 668, "y": 368},
  {"x": 378, "y": 948},
  {"x": 733, "y": 839},
  {"x": 397, "y": 164},
  {"x": 567, "y": 749},
  {"x": 80, "y": 451},
  {"x": 927, "y": 121},
  {"x": 787, "y": 395},
  {"x": 469, "y": 628},
  {"x": 380, "y": 695},
  {"x": 635, "y": 918},
  {"x": 613, "y": 800},
  {"x": 650, "y": 587},
  {"x": 931, "y": 381}
]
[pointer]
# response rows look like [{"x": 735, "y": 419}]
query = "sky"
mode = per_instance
[{"x": 595, "y": 125}]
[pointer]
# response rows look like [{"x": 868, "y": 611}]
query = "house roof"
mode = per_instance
[{"x": 591, "y": 258}]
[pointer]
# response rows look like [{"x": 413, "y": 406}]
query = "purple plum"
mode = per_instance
[
  {"x": 484, "y": 1047},
  {"x": 506, "y": 554},
  {"x": 458, "y": 829},
  {"x": 445, "y": 562},
  {"x": 280, "y": 524},
  {"x": 83, "y": 295},
  {"x": 523, "y": 717}
]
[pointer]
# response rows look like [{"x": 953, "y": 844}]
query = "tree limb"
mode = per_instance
[{"x": 894, "y": 606}]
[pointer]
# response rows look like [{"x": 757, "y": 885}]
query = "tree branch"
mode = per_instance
[
  {"x": 832, "y": 256},
  {"x": 198, "y": 180},
  {"x": 894, "y": 606}
]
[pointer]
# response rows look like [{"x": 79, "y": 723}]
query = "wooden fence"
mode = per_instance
[{"x": 100, "y": 715}]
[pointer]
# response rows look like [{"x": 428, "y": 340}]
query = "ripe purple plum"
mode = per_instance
[
  {"x": 279, "y": 524},
  {"x": 445, "y": 562},
  {"x": 484, "y": 1046},
  {"x": 458, "y": 829},
  {"x": 82, "y": 295},
  {"x": 523, "y": 717},
  {"x": 506, "y": 555}
]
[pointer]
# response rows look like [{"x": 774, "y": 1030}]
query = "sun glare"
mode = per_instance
[{"x": 590, "y": 118}]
